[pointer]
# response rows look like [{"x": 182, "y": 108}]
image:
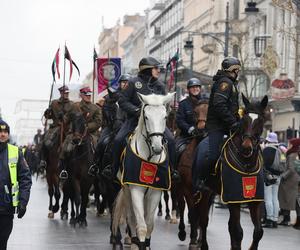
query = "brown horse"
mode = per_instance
[
  {"x": 78, "y": 163},
  {"x": 184, "y": 189},
  {"x": 239, "y": 163},
  {"x": 52, "y": 171}
]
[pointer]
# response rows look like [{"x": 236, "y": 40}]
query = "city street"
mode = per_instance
[{"x": 36, "y": 231}]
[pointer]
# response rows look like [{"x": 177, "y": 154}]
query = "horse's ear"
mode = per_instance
[
  {"x": 264, "y": 102},
  {"x": 245, "y": 100},
  {"x": 141, "y": 97},
  {"x": 168, "y": 97}
]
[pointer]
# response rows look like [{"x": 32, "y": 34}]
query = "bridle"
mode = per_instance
[
  {"x": 81, "y": 137},
  {"x": 149, "y": 135}
]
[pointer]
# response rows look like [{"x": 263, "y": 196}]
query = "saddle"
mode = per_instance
[{"x": 181, "y": 144}]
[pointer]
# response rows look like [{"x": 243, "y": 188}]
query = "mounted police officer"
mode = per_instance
[
  {"x": 222, "y": 118},
  {"x": 145, "y": 83},
  {"x": 185, "y": 118},
  {"x": 15, "y": 184},
  {"x": 55, "y": 112},
  {"x": 93, "y": 117},
  {"x": 113, "y": 118}
]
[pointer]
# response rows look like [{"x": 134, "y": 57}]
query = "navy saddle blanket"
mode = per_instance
[{"x": 137, "y": 171}]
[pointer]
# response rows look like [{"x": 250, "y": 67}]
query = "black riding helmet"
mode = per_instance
[
  {"x": 148, "y": 63},
  {"x": 193, "y": 82},
  {"x": 231, "y": 64},
  {"x": 124, "y": 77}
]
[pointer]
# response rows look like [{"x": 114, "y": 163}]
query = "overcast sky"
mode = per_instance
[{"x": 32, "y": 30}]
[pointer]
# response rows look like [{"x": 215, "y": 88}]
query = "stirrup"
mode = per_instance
[
  {"x": 93, "y": 170},
  {"x": 63, "y": 175}
]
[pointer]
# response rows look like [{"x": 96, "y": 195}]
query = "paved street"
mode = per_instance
[{"x": 36, "y": 231}]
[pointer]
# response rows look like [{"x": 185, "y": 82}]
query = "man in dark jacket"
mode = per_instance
[
  {"x": 15, "y": 184},
  {"x": 145, "y": 83},
  {"x": 222, "y": 118}
]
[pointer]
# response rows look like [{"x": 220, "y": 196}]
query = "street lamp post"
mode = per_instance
[
  {"x": 226, "y": 31},
  {"x": 189, "y": 50}
]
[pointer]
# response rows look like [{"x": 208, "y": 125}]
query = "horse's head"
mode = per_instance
[
  {"x": 79, "y": 129},
  {"x": 252, "y": 123},
  {"x": 153, "y": 119},
  {"x": 200, "y": 113}
]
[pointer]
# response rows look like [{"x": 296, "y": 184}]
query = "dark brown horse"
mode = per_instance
[
  {"x": 240, "y": 161},
  {"x": 52, "y": 171},
  {"x": 78, "y": 163},
  {"x": 184, "y": 190}
]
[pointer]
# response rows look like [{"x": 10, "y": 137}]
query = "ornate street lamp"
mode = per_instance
[
  {"x": 189, "y": 50},
  {"x": 260, "y": 45}
]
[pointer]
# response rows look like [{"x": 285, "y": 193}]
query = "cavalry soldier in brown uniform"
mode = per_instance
[
  {"x": 93, "y": 117},
  {"x": 55, "y": 112}
]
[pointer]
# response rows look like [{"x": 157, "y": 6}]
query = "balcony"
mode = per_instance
[{"x": 158, "y": 5}]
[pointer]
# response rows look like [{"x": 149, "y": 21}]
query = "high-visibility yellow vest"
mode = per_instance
[
  {"x": 13, "y": 155},
  {"x": 23, "y": 151}
]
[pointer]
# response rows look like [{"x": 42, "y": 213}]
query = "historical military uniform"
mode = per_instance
[
  {"x": 92, "y": 115},
  {"x": 55, "y": 113},
  {"x": 129, "y": 101},
  {"x": 15, "y": 184},
  {"x": 222, "y": 116}
]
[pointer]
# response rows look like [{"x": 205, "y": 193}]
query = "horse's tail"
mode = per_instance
[{"x": 119, "y": 211}]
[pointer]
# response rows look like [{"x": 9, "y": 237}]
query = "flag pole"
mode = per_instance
[
  {"x": 94, "y": 74},
  {"x": 166, "y": 74},
  {"x": 63, "y": 100},
  {"x": 175, "y": 84}
]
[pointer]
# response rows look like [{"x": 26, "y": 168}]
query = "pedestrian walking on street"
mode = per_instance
[
  {"x": 15, "y": 184},
  {"x": 272, "y": 170},
  {"x": 288, "y": 188}
]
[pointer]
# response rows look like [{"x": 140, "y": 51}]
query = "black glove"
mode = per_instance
[
  {"x": 21, "y": 210},
  {"x": 60, "y": 115},
  {"x": 48, "y": 113}
]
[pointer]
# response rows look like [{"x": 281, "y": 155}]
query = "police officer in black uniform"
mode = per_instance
[
  {"x": 15, "y": 184},
  {"x": 185, "y": 119},
  {"x": 145, "y": 83},
  {"x": 222, "y": 117},
  {"x": 113, "y": 118}
]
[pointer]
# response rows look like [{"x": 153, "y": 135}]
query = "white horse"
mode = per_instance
[{"x": 146, "y": 142}]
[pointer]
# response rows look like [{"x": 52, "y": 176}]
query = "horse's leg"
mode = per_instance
[
  {"x": 151, "y": 202},
  {"x": 234, "y": 226},
  {"x": 56, "y": 194},
  {"x": 159, "y": 213},
  {"x": 181, "y": 206},
  {"x": 166, "y": 198},
  {"x": 137, "y": 196},
  {"x": 85, "y": 188},
  {"x": 255, "y": 213},
  {"x": 173, "y": 219},
  {"x": 50, "y": 193},
  {"x": 202, "y": 211},
  {"x": 97, "y": 196},
  {"x": 77, "y": 197}
]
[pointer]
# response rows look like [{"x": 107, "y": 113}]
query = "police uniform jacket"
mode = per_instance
[
  {"x": 185, "y": 115},
  {"x": 223, "y": 103},
  {"x": 142, "y": 84},
  {"x": 23, "y": 177},
  {"x": 57, "y": 109},
  {"x": 109, "y": 112},
  {"x": 90, "y": 111}
]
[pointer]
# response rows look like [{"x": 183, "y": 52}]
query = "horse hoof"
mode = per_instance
[
  {"x": 83, "y": 223},
  {"x": 159, "y": 213},
  {"x": 182, "y": 235},
  {"x": 51, "y": 215},
  {"x": 173, "y": 221},
  {"x": 127, "y": 241},
  {"x": 55, "y": 209},
  {"x": 117, "y": 247},
  {"x": 167, "y": 217},
  {"x": 134, "y": 247},
  {"x": 72, "y": 222},
  {"x": 64, "y": 216},
  {"x": 193, "y": 247}
]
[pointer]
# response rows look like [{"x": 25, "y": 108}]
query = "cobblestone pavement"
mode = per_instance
[{"x": 36, "y": 231}]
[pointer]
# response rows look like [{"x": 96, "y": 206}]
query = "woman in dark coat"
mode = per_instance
[{"x": 288, "y": 188}]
